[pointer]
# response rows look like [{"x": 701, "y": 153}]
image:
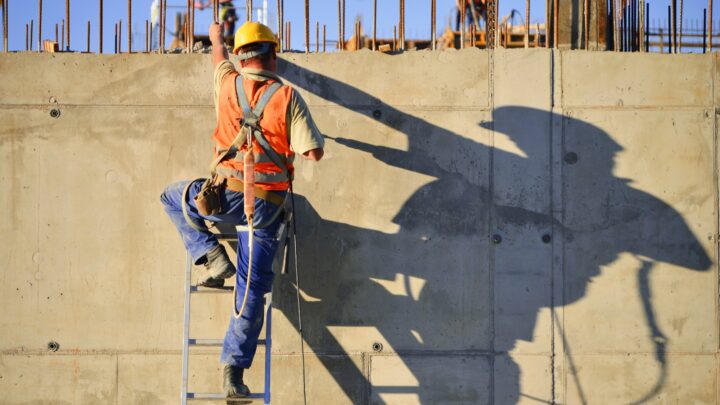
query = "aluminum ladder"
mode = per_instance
[{"x": 190, "y": 342}]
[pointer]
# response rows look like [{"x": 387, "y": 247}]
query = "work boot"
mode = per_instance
[
  {"x": 218, "y": 267},
  {"x": 233, "y": 385}
]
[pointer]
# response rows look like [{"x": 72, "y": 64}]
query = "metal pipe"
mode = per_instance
[
  {"x": 307, "y": 26},
  {"x": 527, "y": 23},
  {"x": 67, "y": 26},
  {"x": 88, "y": 37},
  {"x": 374, "y": 40},
  {"x": 39, "y": 37},
  {"x": 100, "y": 27}
]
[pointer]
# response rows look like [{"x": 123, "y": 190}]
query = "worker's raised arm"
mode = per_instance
[{"x": 219, "y": 53}]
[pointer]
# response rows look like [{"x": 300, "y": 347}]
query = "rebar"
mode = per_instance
[
  {"x": 339, "y": 43},
  {"x": 307, "y": 26},
  {"x": 116, "y": 37},
  {"x": 709, "y": 24},
  {"x": 192, "y": 26},
  {"x": 324, "y": 36},
  {"x": 249, "y": 10},
  {"x": 279, "y": 24},
  {"x": 343, "y": 23},
  {"x": 56, "y": 35},
  {"x": 32, "y": 30},
  {"x": 26, "y": 37},
  {"x": 647, "y": 27},
  {"x": 100, "y": 27},
  {"x": 402, "y": 24},
  {"x": 120, "y": 36},
  {"x": 547, "y": 22},
  {"x": 670, "y": 47},
  {"x": 317, "y": 36},
  {"x": 527, "y": 23},
  {"x": 586, "y": 25},
  {"x": 433, "y": 28},
  {"x": 374, "y": 40},
  {"x": 67, "y": 26},
  {"x": 491, "y": 25},
  {"x": 129, "y": 26},
  {"x": 62, "y": 37},
  {"x": 147, "y": 36},
  {"x": 39, "y": 37},
  {"x": 394, "y": 37},
  {"x": 289, "y": 36},
  {"x": 704, "y": 29},
  {"x": 556, "y": 30},
  {"x": 5, "y": 25},
  {"x": 462, "y": 24},
  {"x": 215, "y": 11}
]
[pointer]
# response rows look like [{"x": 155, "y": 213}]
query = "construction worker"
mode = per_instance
[
  {"x": 475, "y": 11},
  {"x": 288, "y": 128}
]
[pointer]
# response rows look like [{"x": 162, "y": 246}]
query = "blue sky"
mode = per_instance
[{"x": 324, "y": 11}]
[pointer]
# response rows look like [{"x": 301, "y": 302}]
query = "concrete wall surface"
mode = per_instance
[{"x": 520, "y": 226}]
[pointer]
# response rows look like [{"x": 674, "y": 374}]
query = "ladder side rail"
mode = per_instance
[{"x": 186, "y": 331}]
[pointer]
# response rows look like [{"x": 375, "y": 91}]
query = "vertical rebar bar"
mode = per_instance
[
  {"x": 673, "y": 25},
  {"x": 641, "y": 25},
  {"x": 647, "y": 27},
  {"x": 279, "y": 24},
  {"x": 129, "y": 26},
  {"x": 704, "y": 30},
  {"x": 462, "y": 24},
  {"x": 433, "y": 27},
  {"x": 394, "y": 37},
  {"x": 324, "y": 37},
  {"x": 62, "y": 36},
  {"x": 26, "y": 37},
  {"x": 402, "y": 24},
  {"x": 527, "y": 24},
  {"x": 374, "y": 41},
  {"x": 39, "y": 34},
  {"x": 343, "y": 24},
  {"x": 192, "y": 26},
  {"x": 147, "y": 36},
  {"x": 116, "y": 36},
  {"x": 87, "y": 49},
  {"x": 547, "y": 24},
  {"x": 680, "y": 34},
  {"x": 670, "y": 29},
  {"x": 289, "y": 35},
  {"x": 709, "y": 25},
  {"x": 67, "y": 23},
  {"x": 56, "y": 34},
  {"x": 339, "y": 43},
  {"x": 586, "y": 25},
  {"x": 556, "y": 31},
  {"x": 100, "y": 26},
  {"x": 32, "y": 30},
  {"x": 317, "y": 36},
  {"x": 120, "y": 36},
  {"x": 307, "y": 26},
  {"x": 215, "y": 11},
  {"x": 5, "y": 25}
]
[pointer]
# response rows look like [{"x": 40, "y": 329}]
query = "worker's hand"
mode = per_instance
[{"x": 215, "y": 33}]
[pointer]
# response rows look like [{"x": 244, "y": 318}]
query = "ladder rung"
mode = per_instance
[
  {"x": 214, "y": 342},
  {"x": 205, "y": 290},
  {"x": 221, "y": 397}
]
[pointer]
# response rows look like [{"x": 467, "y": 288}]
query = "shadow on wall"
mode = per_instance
[{"x": 443, "y": 242}]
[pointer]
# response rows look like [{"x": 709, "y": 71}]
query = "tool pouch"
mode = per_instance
[{"x": 207, "y": 200}]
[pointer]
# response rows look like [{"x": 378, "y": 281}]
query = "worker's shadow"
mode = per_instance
[{"x": 428, "y": 289}]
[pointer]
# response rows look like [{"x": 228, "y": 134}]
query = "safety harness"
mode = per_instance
[{"x": 250, "y": 130}]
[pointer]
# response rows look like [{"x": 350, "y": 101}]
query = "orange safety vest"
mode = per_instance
[{"x": 274, "y": 127}]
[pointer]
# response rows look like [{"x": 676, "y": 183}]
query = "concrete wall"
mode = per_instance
[{"x": 512, "y": 227}]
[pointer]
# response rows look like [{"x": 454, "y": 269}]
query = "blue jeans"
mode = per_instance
[{"x": 242, "y": 334}]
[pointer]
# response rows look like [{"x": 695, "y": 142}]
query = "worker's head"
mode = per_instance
[{"x": 255, "y": 44}]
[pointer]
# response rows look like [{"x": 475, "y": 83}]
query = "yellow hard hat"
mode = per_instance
[{"x": 251, "y": 33}]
